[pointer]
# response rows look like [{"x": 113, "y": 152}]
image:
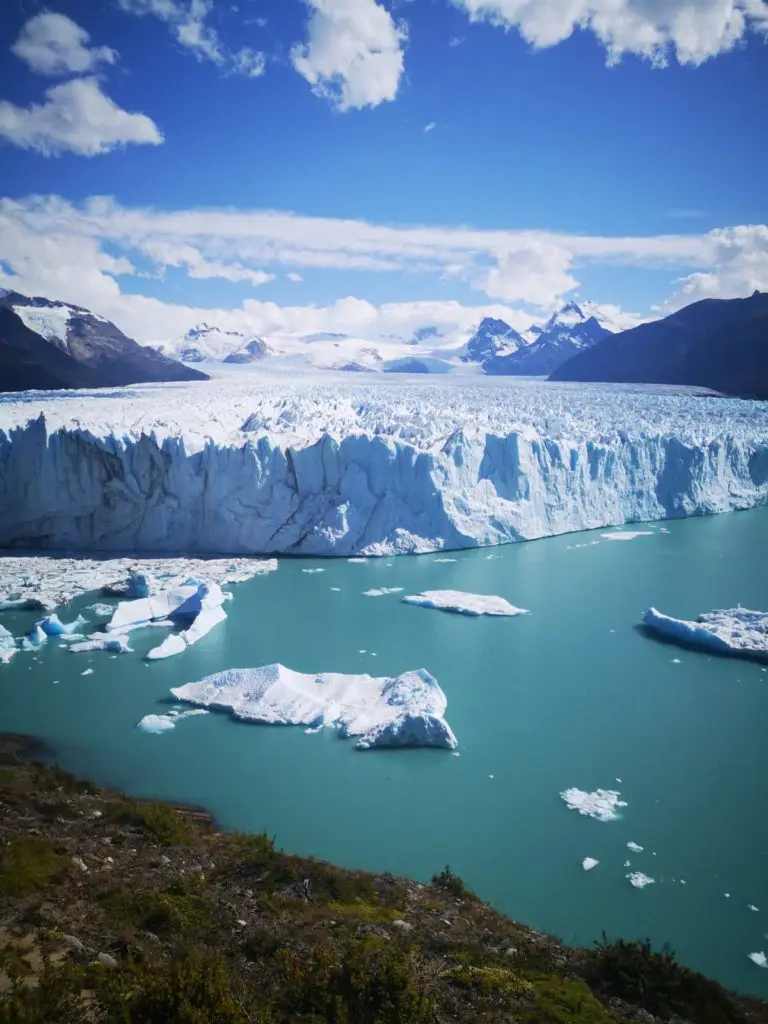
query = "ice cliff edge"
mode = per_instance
[{"x": 334, "y": 470}]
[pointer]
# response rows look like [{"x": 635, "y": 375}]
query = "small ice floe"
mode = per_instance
[
  {"x": 727, "y": 895},
  {"x": 362, "y": 650},
  {"x": 357, "y": 561},
  {"x": 676, "y": 661},
  {"x": 102, "y": 642},
  {"x": 100, "y": 609},
  {"x": 618, "y": 780},
  {"x": 336, "y": 590},
  {"x": 627, "y": 863},
  {"x": 311, "y": 572},
  {"x": 753, "y": 908},
  {"x": 382, "y": 591},
  {"x": 589, "y": 862},
  {"x": 443, "y": 561},
  {"x": 683, "y": 882},
  {"x": 758, "y": 958},
  {"x": 401, "y": 711},
  {"x": 163, "y": 723},
  {"x": 635, "y": 848},
  {"x": 88, "y": 672},
  {"x": 491, "y": 776},
  {"x": 639, "y": 879},
  {"x": 463, "y": 603},
  {"x": 737, "y": 631},
  {"x": 602, "y": 804},
  {"x": 626, "y": 534}
]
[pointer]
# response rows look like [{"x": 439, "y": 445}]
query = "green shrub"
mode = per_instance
[
  {"x": 565, "y": 1001},
  {"x": 158, "y": 821},
  {"x": 449, "y": 882},
  {"x": 27, "y": 864},
  {"x": 170, "y": 912},
  {"x": 487, "y": 980},
  {"x": 656, "y": 981}
]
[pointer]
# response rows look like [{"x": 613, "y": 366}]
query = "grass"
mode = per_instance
[
  {"x": 158, "y": 821},
  {"x": 28, "y": 864}
]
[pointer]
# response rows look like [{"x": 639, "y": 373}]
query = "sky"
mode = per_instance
[{"x": 373, "y": 166}]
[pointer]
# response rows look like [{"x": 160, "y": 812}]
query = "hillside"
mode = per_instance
[
  {"x": 716, "y": 343},
  {"x": 48, "y": 345},
  {"x": 113, "y": 909}
]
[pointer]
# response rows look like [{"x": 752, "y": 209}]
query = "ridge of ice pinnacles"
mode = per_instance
[
  {"x": 405, "y": 710},
  {"x": 737, "y": 631},
  {"x": 463, "y": 603}
]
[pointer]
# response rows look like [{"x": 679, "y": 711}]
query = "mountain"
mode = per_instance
[
  {"x": 209, "y": 342},
  {"x": 47, "y": 345},
  {"x": 715, "y": 343},
  {"x": 492, "y": 338},
  {"x": 572, "y": 329}
]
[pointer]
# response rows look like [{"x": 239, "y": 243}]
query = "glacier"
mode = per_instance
[
  {"x": 406, "y": 710},
  {"x": 736, "y": 631},
  {"x": 264, "y": 464}
]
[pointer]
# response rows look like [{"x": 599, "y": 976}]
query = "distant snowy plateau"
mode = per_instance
[{"x": 267, "y": 464}]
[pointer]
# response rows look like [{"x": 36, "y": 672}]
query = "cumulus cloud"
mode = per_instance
[
  {"x": 53, "y": 44},
  {"x": 293, "y": 276},
  {"x": 188, "y": 21},
  {"x": 353, "y": 55},
  {"x": 170, "y": 254},
  {"x": 76, "y": 117},
  {"x": 538, "y": 274},
  {"x": 430, "y": 127},
  {"x": 691, "y": 30},
  {"x": 739, "y": 267}
]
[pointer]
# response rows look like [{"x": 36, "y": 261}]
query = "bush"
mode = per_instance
[
  {"x": 27, "y": 864},
  {"x": 632, "y": 971},
  {"x": 171, "y": 912},
  {"x": 158, "y": 821},
  {"x": 452, "y": 884}
]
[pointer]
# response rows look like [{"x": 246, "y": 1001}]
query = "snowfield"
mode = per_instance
[{"x": 260, "y": 463}]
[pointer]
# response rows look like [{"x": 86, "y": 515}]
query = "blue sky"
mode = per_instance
[{"x": 544, "y": 171}]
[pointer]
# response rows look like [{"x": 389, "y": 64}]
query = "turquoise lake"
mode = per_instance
[{"x": 572, "y": 695}]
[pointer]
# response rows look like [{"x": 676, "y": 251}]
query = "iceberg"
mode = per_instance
[
  {"x": 240, "y": 466},
  {"x": 176, "y": 643},
  {"x": 602, "y": 804},
  {"x": 464, "y": 604},
  {"x": 185, "y": 602},
  {"x": 406, "y": 710},
  {"x": 7, "y": 645},
  {"x": 759, "y": 958},
  {"x": 102, "y": 642},
  {"x": 589, "y": 863},
  {"x": 52, "y": 625},
  {"x": 635, "y": 848},
  {"x": 626, "y": 534},
  {"x": 736, "y": 631},
  {"x": 382, "y": 591},
  {"x": 34, "y": 639},
  {"x": 163, "y": 723}
]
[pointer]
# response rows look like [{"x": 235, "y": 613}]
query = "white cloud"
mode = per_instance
[
  {"x": 539, "y": 274},
  {"x": 188, "y": 22},
  {"x": 60, "y": 249},
  {"x": 354, "y": 53},
  {"x": 430, "y": 127},
  {"x": 293, "y": 276},
  {"x": 455, "y": 41},
  {"x": 694, "y": 30},
  {"x": 740, "y": 266},
  {"x": 76, "y": 117},
  {"x": 53, "y": 44}
]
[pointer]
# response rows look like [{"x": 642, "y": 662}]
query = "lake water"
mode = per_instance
[{"x": 571, "y": 695}]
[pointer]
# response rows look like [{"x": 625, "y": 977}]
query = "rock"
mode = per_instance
[
  {"x": 106, "y": 960},
  {"x": 511, "y": 952},
  {"x": 73, "y": 942},
  {"x": 165, "y": 860},
  {"x": 80, "y": 863},
  {"x": 404, "y": 926}
]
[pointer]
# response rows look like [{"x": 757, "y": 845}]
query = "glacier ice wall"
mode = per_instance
[{"x": 239, "y": 467}]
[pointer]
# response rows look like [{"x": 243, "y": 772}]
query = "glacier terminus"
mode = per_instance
[{"x": 267, "y": 464}]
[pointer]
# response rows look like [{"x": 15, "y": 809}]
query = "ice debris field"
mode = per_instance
[{"x": 248, "y": 467}]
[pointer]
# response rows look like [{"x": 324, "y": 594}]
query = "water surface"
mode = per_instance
[{"x": 572, "y": 695}]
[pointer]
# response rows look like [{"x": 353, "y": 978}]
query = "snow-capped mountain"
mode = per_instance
[
  {"x": 45, "y": 344},
  {"x": 209, "y": 342},
  {"x": 572, "y": 329},
  {"x": 492, "y": 338}
]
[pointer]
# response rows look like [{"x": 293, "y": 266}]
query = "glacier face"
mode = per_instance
[{"x": 255, "y": 464}]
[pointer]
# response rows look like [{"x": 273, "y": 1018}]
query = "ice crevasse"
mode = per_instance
[{"x": 338, "y": 470}]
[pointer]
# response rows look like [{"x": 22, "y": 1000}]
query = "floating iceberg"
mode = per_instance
[
  {"x": 7, "y": 645},
  {"x": 176, "y": 643},
  {"x": 589, "y": 863},
  {"x": 465, "y": 604},
  {"x": 102, "y": 642},
  {"x": 311, "y": 468},
  {"x": 639, "y": 880},
  {"x": 406, "y": 710},
  {"x": 382, "y": 591},
  {"x": 730, "y": 631},
  {"x": 163, "y": 723},
  {"x": 34, "y": 639},
  {"x": 626, "y": 534},
  {"x": 53, "y": 626},
  {"x": 759, "y": 958},
  {"x": 635, "y": 848},
  {"x": 602, "y": 804}
]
